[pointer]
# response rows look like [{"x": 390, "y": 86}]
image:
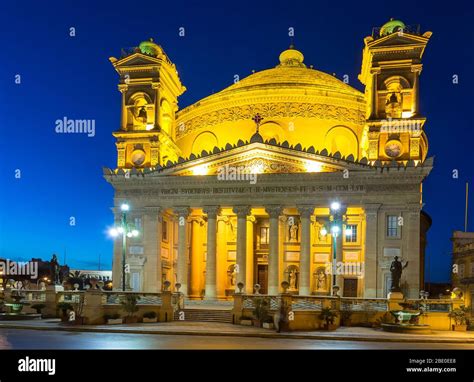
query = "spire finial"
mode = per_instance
[
  {"x": 292, "y": 43},
  {"x": 257, "y": 119}
]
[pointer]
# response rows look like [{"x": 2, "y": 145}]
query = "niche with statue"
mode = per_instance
[{"x": 292, "y": 274}]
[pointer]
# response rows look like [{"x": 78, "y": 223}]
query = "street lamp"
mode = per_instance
[
  {"x": 336, "y": 218},
  {"x": 126, "y": 230}
]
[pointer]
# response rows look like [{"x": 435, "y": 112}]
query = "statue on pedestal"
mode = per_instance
[
  {"x": 396, "y": 269},
  {"x": 55, "y": 270}
]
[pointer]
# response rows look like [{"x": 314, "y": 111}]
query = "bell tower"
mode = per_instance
[
  {"x": 391, "y": 66},
  {"x": 150, "y": 88}
]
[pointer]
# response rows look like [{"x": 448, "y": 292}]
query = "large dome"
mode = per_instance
[
  {"x": 298, "y": 104},
  {"x": 293, "y": 73}
]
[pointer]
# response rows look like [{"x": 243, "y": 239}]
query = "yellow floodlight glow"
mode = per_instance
[
  {"x": 257, "y": 168},
  {"x": 200, "y": 170},
  {"x": 312, "y": 166}
]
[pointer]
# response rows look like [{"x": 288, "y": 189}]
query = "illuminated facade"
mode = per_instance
[{"x": 237, "y": 187}]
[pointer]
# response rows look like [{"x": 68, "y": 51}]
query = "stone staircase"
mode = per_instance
[{"x": 203, "y": 315}]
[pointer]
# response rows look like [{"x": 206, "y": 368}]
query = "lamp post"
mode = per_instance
[
  {"x": 125, "y": 230},
  {"x": 336, "y": 218}
]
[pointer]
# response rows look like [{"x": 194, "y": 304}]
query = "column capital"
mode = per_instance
[
  {"x": 211, "y": 211},
  {"x": 251, "y": 219},
  {"x": 274, "y": 211},
  {"x": 241, "y": 211},
  {"x": 416, "y": 68},
  {"x": 306, "y": 210},
  {"x": 182, "y": 211},
  {"x": 122, "y": 88}
]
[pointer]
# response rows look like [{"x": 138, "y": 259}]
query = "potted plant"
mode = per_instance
[
  {"x": 150, "y": 317},
  {"x": 246, "y": 321},
  {"x": 328, "y": 316},
  {"x": 260, "y": 311},
  {"x": 113, "y": 319},
  {"x": 268, "y": 323},
  {"x": 129, "y": 305},
  {"x": 460, "y": 317},
  {"x": 38, "y": 307},
  {"x": 64, "y": 307},
  {"x": 346, "y": 317}
]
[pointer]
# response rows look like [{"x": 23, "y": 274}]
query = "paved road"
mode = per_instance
[{"x": 36, "y": 339}]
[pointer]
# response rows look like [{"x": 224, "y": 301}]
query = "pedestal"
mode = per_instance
[{"x": 394, "y": 300}]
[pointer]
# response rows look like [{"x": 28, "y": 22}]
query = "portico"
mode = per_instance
[{"x": 194, "y": 236}]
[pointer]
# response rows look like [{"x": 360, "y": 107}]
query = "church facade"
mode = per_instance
[{"x": 288, "y": 175}]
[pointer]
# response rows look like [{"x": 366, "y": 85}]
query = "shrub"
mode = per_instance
[
  {"x": 460, "y": 315},
  {"x": 129, "y": 304},
  {"x": 261, "y": 308},
  {"x": 149, "y": 314},
  {"x": 328, "y": 315},
  {"x": 64, "y": 306},
  {"x": 111, "y": 316},
  {"x": 38, "y": 307}
]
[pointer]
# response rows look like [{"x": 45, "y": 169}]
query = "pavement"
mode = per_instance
[{"x": 229, "y": 330}]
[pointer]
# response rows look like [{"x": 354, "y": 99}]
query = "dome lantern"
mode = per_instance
[
  {"x": 392, "y": 26},
  {"x": 150, "y": 48},
  {"x": 291, "y": 57}
]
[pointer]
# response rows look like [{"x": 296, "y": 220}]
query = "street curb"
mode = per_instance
[{"x": 419, "y": 339}]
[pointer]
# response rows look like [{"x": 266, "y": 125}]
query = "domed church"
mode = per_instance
[{"x": 288, "y": 180}]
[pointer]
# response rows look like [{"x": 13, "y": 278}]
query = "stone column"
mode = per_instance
[
  {"x": 339, "y": 259},
  {"x": 211, "y": 212},
  {"x": 411, "y": 233},
  {"x": 241, "y": 212},
  {"x": 123, "y": 120},
  {"x": 182, "y": 274},
  {"x": 156, "y": 87},
  {"x": 274, "y": 213},
  {"x": 152, "y": 248},
  {"x": 374, "y": 111},
  {"x": 195, "y": 267},
  {"x": 371, "y": 243},
  {"x": 416, "y": 69},
  {"x": 249, "y": 280},
  {"x": 221, "y": 261},
  {"x": 117, "y": 255},
  {"x": 305, "y": 253}
]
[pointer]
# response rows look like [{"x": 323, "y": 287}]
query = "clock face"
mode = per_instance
[
  {"x": 138, "y": 157},
  {"x": 393, "y": 148}
]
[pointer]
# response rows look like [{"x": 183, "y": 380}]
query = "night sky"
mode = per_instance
[{"x": 61, "y": 175}]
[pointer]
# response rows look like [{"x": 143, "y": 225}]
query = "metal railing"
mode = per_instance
[{"x": 409, "y": 29}]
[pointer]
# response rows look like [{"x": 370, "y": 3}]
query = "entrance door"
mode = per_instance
[
  {"x": 262, "y": 278},
  {"x": 350, "y": 288}
]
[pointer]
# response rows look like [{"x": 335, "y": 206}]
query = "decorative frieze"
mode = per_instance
[{"x": 272, "y": 110}]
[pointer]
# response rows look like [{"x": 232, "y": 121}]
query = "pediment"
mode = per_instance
[
  {"x": 262, "y": 158},
  {"x": 396, "y": 39},
  {"x": 136, "y": 59}
]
